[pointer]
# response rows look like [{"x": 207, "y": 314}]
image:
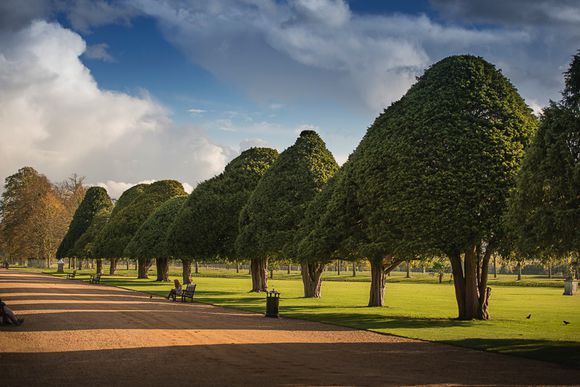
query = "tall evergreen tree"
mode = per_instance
[
  {"x": 435, "y": 169},
  {"x": 101, "y": 246},
  {"x": 272, "y": 216},
  {"x": 96, "y": 199},
  {"x": 207, "y": 226},
  {"x": 150, "y": 242},
  {"x": 545, "y": 207},
  {"x": 125, "y": 222}
]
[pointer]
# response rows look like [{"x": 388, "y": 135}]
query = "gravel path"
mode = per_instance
[{"x": 77, "y": 334}]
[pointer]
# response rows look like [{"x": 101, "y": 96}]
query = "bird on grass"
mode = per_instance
[
  {"x": 529, "y": 316},
  {"x": 566, "y": 322}
]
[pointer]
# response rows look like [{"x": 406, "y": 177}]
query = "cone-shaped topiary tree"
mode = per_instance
[
  {"x": 150, "y": 241},
  {"x": 434, "y": 170},
  {"x": 100, "y": 246},
  {"x": 207, "y": 225},
  {"x": 271, "y": 219},
  {"x": 84, "y": 246},
  {"x": 94, "y": 206},
  {"x": 95, "y": 201},
  {"x": 545, "y": 207},
  {"x": 124, "y": 224}
]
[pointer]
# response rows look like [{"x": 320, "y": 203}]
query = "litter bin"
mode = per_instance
[
  {"x": 60, "y": 266},
  {"x": 272, "y": 303}
]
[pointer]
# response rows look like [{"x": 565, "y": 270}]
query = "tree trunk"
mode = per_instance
[
  {"x": 186, "y": 272},
  {"x": 113, "y": 267},
  {"x": 354, "y": 269},
  {"x": 271, "y": 273},
  {"x": 549, "y": 270},
  {"x": 99, "y": 266},
  {"x": 196, "y": 267},
  {"x": 127, "y": 262},
  {"x": 484, "y": 292},
  {"x": 338, "y": 267},
  {"x": 408, "y": 269},
  {"x": 311, "y": 278},
  {"x": 470, "y": 281},
  {"x": 494, "y": 266},
  {"x": 80, "y": 263},
  {"x": 144, "y": 265},
  {"x": 259, "y": 270},
  {"x": 441, "y": 277},
  {"x": 519, "y": 267},
  {"x": 377, "y": 295},
  {"x": 162, "y": 265},
  {"x": 458, "y": 282},
  {"x": 289, "y": 268},
  {"x": 237, "y": 267},
  {"x": 69, "y": 262}
]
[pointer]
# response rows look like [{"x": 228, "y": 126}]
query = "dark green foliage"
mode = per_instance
[
  {"x": 85, "y": 245},
  {"x": 545, "y": 207},
  {"x": 270, "y": 220},
  {"x": 150, "y": 241},
  {"x": 125, "y": 221},
  {"x": 434, "y": 170},
  {"x": 432, "y": 175},
  {"x": 94, "y": 203},
  {"x": 207, "y": 225},
  {"x": 128, "y": 196}
]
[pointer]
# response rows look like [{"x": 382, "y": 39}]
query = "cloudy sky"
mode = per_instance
[{"x": 139, "y": 90}]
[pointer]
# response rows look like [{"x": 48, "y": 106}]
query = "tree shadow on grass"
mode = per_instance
[
  {"x": 373, "y": 321},
  {"x": 562, "y": 352}
]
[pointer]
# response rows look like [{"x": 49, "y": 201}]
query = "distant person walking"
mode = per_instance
[{"x": 8, "y": 315}]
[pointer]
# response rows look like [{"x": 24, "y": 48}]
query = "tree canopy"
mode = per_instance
[
  {"x": 150, "y": 241},
  {"x": 434, "y": 170},
  {"x": 271, "y": 218},
  {"x": 125, "y": 221},
  {"x": 207, "y": 226},
  {"x": 96, "y": 201},
  {"x": 545, "y": 207},
  {"x": 35, "y": 213}
]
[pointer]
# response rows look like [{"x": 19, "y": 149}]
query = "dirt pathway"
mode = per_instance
[{"x": 78, "y": 334}]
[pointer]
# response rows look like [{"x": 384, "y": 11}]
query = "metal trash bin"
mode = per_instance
[
  {"x": 60, "y": 266},
  {"x": 272, "y": 303}
]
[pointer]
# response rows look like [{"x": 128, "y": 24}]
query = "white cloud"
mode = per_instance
[
  {"x": 55, "y": 118},
  {"x": 99, "y": 52},
  {"x": 196, "y": 111}
]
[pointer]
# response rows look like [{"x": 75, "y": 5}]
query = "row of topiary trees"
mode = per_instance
[{"x": 432, "y": 177}]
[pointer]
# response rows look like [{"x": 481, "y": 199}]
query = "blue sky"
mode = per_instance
[{"x": 140, "y": 90}]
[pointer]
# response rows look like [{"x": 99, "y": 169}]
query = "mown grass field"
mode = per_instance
[{"x": 418, "y": 308}]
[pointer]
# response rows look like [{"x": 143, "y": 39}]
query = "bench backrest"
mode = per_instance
[{"x": 190, "y": 289}]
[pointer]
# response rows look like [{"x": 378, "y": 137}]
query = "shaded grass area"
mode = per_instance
[{"x": 417, "y": 310}]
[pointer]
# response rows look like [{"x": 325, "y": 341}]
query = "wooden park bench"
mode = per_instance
[
  {"x": 71, "y": 275},
  {"x": 188, "y": 293},
  {"x": 95, "y": 278}
]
